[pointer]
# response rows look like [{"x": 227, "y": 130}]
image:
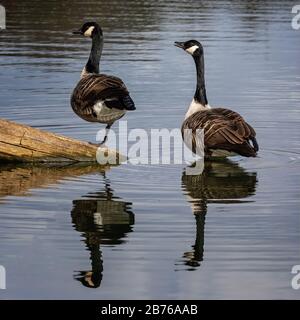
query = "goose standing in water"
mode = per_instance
[
  {"x": 99, "y": 97},
  {"x": 226, "y": 133}
]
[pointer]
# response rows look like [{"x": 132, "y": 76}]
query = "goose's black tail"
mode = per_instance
[
  {"x": 255, "y": 144},
  {"x": 128, "y": 103}
]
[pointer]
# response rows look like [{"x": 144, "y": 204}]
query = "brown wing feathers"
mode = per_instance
[
  {"x": 95, "y": 87},
  {"x": 223, "y": 129}
]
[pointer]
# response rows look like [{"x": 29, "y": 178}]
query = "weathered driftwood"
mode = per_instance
[{"x": 21, "y": 143}]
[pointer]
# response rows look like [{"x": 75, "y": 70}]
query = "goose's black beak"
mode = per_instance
[
  {"x": 179, "y": 44},
  {"x": 77, "y": 32}
]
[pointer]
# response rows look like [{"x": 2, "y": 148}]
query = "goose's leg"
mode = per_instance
[
  {"x": 108, "y": 126},
  {"x": 106, "y": 133}
]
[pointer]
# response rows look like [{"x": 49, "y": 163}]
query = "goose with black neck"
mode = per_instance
[
  {"x": 226, "y": 133},
  {"x": 99, "y": 97}
]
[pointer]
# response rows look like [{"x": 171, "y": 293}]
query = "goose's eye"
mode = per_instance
[
  {"x": 88, "y": 32},
  {"x": 192, "y": 49}
]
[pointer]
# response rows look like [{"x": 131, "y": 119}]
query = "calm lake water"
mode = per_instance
[{"x": 151, "y": 231}]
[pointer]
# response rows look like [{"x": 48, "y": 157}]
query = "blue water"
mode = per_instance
[{"x": 151, "y": 231}]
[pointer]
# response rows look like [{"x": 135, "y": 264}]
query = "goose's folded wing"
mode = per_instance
[
  {"x": 243, "y": 128},
  {"x": 94, "y": 88},
  {"x": 222, "y": 127}
]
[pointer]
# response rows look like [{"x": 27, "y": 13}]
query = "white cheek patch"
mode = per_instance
[
  {"x": 192, "y": 49},
  {"x": 88, "y": 32}
]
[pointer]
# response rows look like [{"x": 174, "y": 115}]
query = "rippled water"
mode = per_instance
[{"x": 153, "y": 231}]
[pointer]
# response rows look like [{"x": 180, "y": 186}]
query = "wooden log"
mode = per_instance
[{"x": 21, "y": 143}]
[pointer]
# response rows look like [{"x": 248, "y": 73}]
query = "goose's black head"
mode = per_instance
[
  {"x": 89, "y": 29},
  {"x": 192, "y": 47}
]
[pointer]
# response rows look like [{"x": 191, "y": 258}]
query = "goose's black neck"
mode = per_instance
[
  {"x": 92, "y": 65},
  {"x": 200, "y": 93}
]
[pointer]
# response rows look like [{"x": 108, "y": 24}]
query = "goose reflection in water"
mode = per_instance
[
  {"x": 220, "y": 182},
  {"x": 102, "y": 219}
]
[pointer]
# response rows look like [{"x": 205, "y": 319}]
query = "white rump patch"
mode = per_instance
[
  {"x": 88, "y": 32},
  {"x": 107, "y": 115},
  {"x": 192, "y": 49}
]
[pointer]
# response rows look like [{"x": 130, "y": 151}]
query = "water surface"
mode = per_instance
[{"x": 152, "y": 231}]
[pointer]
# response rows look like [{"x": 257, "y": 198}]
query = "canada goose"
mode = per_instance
[
  {"x": 102, "y": 218},
  {"x": 226, "y": 133},
  {"x": 99, "y": 97},
  {"x": 223, "y": 182}
]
